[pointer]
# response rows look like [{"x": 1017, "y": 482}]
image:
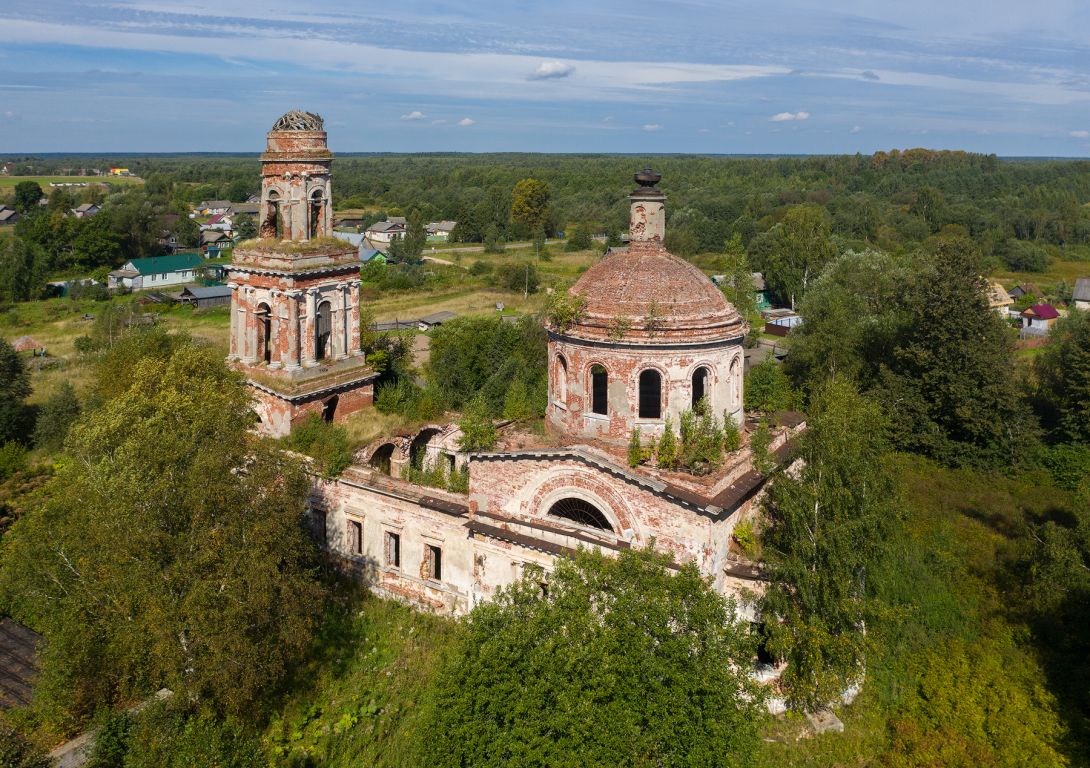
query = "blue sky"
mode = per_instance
[{"x": 811, "y": 76}]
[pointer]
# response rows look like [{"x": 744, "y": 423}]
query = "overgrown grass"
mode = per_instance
[
  {"x": 953, "y": 678},
  {"x": 357, "y": 700},
  {"x": 1057, "y": 270}
]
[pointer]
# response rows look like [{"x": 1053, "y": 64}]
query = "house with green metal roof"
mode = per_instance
[{"x": 157, "y": 271}]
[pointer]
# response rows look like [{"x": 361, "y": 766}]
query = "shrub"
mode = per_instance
[
  {"x": 325, "y": 442},
  {"x": 56, "y": 416},
  {"x": 478, "y": 432},
  {"x": 12, "y": 459},
  {"x": 666, "y": 455},
  {"x": 768, "y": 388},
  {"x": 732, "y": 435}
]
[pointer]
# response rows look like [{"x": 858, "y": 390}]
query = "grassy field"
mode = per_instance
[
  {"x": 7, "y": 182},
  {"x": 1058, "y": 270}
]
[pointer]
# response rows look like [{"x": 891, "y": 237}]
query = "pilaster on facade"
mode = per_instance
[
  {"x": 232, "y": 352},
  {"x": 292, "y": 363},
  {"x": 310, "y": 358}
]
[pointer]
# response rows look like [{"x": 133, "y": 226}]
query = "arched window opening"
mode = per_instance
[
  {"x": 700, "y": 385},
  {"x": 271, "y": 225},
  {"x": 418, "y": 448},
  {"x": 562, "y": 379},
  {"x": 735, "y": 383},
  {"x": 322, "y": 330},
  {"x": 264, "y": 333},
  {"x": 581, "y": 512},
  {"x": 315, "y": 212},
  {"x": 382, "y": 457},
  {"x": 599, "y": 389},
  {"x": 650, "y": 395}
]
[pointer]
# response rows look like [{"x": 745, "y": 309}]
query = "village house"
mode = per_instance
[
  {"x": 211, "y": 207},
  {"x": 85, "y": 211},
  {"x": 156, "y": 272},
  {"x": 386, "y": 231},
  {"x": 205, "y": 297},
  {"x": 1080, "y": 297},
  {"x": 1025, "y": 289},
  {"x": 440, "y": 230},
  {"x": 8, "y": 215},
  {"x": 214, "y": 242},
  {"x": 998, "y": 298},
  {"x": 1039, "y": 319}
]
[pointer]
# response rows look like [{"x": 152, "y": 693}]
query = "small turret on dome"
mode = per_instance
[{"x": 297, "y": 120}]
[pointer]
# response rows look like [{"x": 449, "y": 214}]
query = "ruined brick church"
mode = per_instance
[{"x": 656, "y": 337}]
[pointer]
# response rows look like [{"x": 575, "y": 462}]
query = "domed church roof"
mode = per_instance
[
  {"x": 646, "y": 295},
  {"x": 296, "y": 120}
]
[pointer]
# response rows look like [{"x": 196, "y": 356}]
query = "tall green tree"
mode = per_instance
[
  {"x": 1063, "y": 378},
  {"x": 529, "y": 206},
  {"x": 27, "y": 195},
  {"x": 56, "y": 417},
  {"x": 825, "y": 529},
  {"x": 738, "y": 278},
  {"x": 22, "y": 270},
  {"x": 792, "y": 253},
  {"x": 169, "y": 551},
  {"x": 948, "y": 387},
  {"x": 14, "y": 389},
  {"x": 853, "y": 318},
  {"x": 607, "y": 661}
]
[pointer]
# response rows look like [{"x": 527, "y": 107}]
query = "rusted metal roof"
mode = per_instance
[{"x": 18, "y": 663}]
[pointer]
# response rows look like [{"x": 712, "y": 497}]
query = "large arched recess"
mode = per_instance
[{"x": 605, "y": 492}]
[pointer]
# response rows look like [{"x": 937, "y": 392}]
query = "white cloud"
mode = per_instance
[
  {"x": 856, "y": 129},
  {"x": 652, "y": 127},
  {"x": 703, "y": 130},
  {"x": 414, "y": 115},
  {"x": 465, "y": 122},
  {"x": 1074, "y": 134},
  {"x": 440, "y": 121},
  {"x": 552, "y": 70},
  {"x": 9, "y": 114},
  {"x": 782, "y": 117}
]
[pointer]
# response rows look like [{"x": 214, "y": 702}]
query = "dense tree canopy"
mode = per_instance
[
  {"x": 169, "y": 551},
  {"x": 613, "y": 662},
  {"x": 1063, "y": 378}
]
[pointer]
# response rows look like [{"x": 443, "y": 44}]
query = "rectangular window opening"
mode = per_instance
[
  {"x": 393, "y": 549},
  {"x": 433, "y": 562},
  {"x": 355, "y": 537}
]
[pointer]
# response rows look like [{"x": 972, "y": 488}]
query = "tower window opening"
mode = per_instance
[
  {"x": 599, "y": 390},
  {"x": 323, "y": 330},
  {"x": 264, "y": 332},
  {"x": 650, "y": 395}
]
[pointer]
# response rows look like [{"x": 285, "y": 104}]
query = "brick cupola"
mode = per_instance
[{"x": 655, "y": 337}]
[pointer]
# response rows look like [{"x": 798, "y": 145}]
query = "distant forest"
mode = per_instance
[{"x": 1019, "y": 212}]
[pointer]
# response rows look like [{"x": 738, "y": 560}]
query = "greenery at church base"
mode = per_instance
[{"x": 605, "y": 661}]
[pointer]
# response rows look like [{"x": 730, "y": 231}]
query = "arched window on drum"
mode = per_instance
[
  {"x": 561, "y": 388},
  {"x": 702, "y": 387},
  {"x": 599, "y": 390},
  {"x": 650, "y": 394}
]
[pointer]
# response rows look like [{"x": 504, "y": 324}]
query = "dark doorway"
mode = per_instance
[
  {"x": 599, "y": 389},
  {"x": 323, "y": 329},
  {"x": 380, "y": 459},
  {"x": 650, "y": 395},
  {"x": 329, "y": 410},
  {"x": 700, "y": 386}
]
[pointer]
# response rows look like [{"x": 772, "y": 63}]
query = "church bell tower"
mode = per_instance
[{"x": 295, "y": 315}]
